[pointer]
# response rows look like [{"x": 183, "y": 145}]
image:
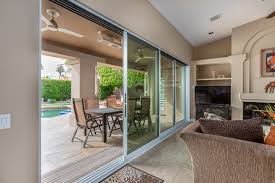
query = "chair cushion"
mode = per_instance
[
  {"x": 211, "y": 116},
  {"x": 250, "y": 130}
]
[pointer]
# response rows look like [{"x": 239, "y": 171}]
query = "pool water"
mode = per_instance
[{"x": 53, "y": 113}]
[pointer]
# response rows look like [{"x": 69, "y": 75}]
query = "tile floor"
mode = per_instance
[
  {"x": 169, "y": 161},
  {"x": 57, "y": 149}
]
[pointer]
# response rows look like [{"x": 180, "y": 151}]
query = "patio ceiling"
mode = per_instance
[{"x": 82, "y": 26}]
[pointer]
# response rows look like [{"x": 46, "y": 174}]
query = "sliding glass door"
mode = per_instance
[
  {"x": 166, "y": 92},
  {"x": 180, "y": 92},
  {"x": 142, "y": 93}
]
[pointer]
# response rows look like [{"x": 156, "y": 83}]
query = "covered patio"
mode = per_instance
[{"x": 58, "y": 151}]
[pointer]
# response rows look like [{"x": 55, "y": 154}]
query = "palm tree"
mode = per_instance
[{"x": 60, "y": 70}]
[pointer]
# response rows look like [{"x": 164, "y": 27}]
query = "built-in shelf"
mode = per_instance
[{"x": 214, "y": 79}]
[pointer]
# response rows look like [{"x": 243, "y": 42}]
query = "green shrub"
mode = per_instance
[
  {"x": 58, "y": 90},
  {"x": 105, "y": 91},
  {"x": 113, "y": 78}
]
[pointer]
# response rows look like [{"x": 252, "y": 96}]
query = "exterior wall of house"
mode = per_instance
[
  {"x": 141, "y": 18},
  {"x": 83, "y": 77},
  {"x": 19, "y": 86}
]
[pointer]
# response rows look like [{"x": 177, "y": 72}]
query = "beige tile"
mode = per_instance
[
  {"x": 169, "y": 161},
  {"x": 57, "y": 149}
]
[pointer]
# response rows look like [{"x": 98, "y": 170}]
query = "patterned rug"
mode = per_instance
[{"x": 130, "y": 174}]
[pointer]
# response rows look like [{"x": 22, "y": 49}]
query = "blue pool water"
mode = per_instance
[{"x": 54, "y": 112}]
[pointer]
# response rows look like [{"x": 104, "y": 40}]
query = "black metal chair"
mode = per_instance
[
  {"x": 117, "y": 119},
  {"x": 84, "y": 121}
]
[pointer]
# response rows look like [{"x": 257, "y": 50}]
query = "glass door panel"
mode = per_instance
[
  {"x": 180, "y": 92},
  {"x": 166, "y": 93},
  {"x": 142, "y": 93}
]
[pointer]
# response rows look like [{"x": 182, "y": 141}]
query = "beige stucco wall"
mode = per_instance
[
  {"x": 216, "y": 49},
  {"x": 250, "y": 39},
  {"x": 19, "y": 78},
  {"x": 247, "y": 42},
  {"x": 141, "y": 18}
]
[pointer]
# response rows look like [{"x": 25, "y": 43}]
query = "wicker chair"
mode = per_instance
[{"x": 84, "y": 121}]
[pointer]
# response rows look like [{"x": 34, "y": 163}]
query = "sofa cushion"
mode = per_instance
[
  {"x": 211, "y": 116},
  {"x": 250, "y": 130}
]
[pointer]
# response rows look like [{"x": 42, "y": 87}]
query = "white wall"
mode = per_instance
[{"x": 19, "y": 83}]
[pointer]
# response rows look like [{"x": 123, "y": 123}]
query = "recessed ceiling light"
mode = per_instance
[{"x": 210, "y": 33}]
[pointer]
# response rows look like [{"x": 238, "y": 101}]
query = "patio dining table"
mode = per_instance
[{"x": 105, "y": 112}]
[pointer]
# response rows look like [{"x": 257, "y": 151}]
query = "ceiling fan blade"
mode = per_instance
[
  {"x": 149, "y": 57},
  {"x": 66, "y": 31},
  {"x": 45, "y": 20},
  {"x": 138, "y": 59},
  {"x": 271, "y": 15},
  {"x": 46, "y": 28}
]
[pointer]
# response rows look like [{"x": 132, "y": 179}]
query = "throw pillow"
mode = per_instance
[
  {"x": 250, "y": 130},
  {"x": 211, "y": 116},
  {"x": 270, "y": 140}
]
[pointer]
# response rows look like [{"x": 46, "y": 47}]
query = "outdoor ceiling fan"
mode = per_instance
[
  {"x": 271, "y": 15},
  {"x": 140, "y": 55},
  {"x": 51, "y": 25}
]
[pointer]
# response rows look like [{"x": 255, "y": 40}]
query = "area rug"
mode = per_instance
[{"x": 130, "y": 174}]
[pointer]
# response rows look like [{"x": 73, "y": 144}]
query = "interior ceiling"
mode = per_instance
[
  {"x": 82, "y": 26},
  {"x": 192, "y": 17}
]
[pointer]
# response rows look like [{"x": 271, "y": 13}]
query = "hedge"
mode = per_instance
[
  {"x": 113, "y": 78},
  {"x": 59, "y": 90}
]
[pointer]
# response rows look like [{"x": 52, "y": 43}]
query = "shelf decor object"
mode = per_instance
[{"x": 270, "y": 87}]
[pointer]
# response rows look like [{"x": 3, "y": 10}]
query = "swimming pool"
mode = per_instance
[{"x": 54, "y": 112}]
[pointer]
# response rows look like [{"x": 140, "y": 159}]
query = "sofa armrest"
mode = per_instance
[{"x": 220, "y": 159}]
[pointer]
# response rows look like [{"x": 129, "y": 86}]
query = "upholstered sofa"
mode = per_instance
[{"x": 218, "y": 159}]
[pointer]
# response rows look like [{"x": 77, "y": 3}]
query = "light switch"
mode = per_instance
[{"x": 5, "y": 121}]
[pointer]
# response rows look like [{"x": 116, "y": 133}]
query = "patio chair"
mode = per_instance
[
  {"x": 144, "y": 112},
  {"x": 132, "y": 121},
  {"x": 92, "y": 103},
  {"x": 84, "y": 121},
  {"x": 116, "y": 118},
  {"x": 111, "y": 101}
]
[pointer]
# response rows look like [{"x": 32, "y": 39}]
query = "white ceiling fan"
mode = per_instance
[
  {"x": 140, "y": 55},
  {"x": 51, "y": 25}
]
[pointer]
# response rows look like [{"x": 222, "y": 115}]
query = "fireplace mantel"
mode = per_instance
[{"x": 258, "y": 97}]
